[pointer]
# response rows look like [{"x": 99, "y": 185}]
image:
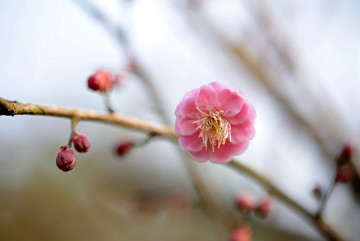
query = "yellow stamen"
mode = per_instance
[{"x": 214, "y": 128}]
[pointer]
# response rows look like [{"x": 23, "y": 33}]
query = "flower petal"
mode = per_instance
[
  {"x": 242, "y": 132},
  {"x": 191, "y": 143},
  {"x": 187, "y": 105},
  {"x": 227, "y": 152},
  {"x": 207, "y": 98},
  {"x": 231, "y": 101},
  {"x": 247, "y": 113},
  {"x": 185, "y": 126},
  {"x": 200, "y": 156}
]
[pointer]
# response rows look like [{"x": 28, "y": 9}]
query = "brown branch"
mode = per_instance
[{"x": 9, "y": 108}]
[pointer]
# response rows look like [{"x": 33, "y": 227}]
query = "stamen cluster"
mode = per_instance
[{"x": 214, "y": 127}]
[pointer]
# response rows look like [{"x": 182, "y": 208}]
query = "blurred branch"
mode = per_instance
[
  {"x": 9, "y": 108},
  {"x": 115, "y": 31}
]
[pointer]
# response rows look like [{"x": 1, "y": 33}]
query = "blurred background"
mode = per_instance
[{"x": 296, "y": 61}]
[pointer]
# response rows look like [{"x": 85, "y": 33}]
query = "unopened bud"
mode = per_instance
[
  {"x": 318, "y": 192},
  {"x": 345, "y": 173},
  {"x": 240, "y": 233},
  {"x": 101, "y": 81},
  {"x": 81, "y": 142},
  {"x": 123, "y": 148},
  {"x": 245, "y": 202},
  {"x": 65, "y": 159},
  {"x": 346, "y": 154},
  {"x": 265, "y": 207}
]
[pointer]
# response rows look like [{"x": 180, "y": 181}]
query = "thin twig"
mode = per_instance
[
  {"x": 74, "y": 122},
  {"x": 326, "y": 196}
]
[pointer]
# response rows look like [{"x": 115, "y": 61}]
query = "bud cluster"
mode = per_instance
[
  {"x": 65, "y": 159},
  {"x": 246, "y": 203}
]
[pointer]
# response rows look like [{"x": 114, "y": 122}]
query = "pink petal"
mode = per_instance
[
  {"x": 230, "y": 101},
  {"x": 247, "y": 113},
  {"x": 187, "y": 105},
  {"x": 185, "y": 126},
  {"x": 200, "y": 156},
  {"x": 191, "y": 143},
  {"x": 242, "y": 132},
  {"x": 227, "y": 152},
  {"x": 207, "y": 98}
]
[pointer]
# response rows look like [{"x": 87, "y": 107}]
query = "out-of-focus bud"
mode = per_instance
[
  {"x": 179, "y": 203},
  {"x": 101, "y": 81},
  {"x": 317, "y": 192},
  {"x": 346, "y": 154},
  {"x": 81, "y": 142},
  {"x": 245, "y": 202},
  {"x": 265, "y": 207},
  {"x": 146, "y": 204},
  {"x": 240, "y": 233},
  {"x": 123, "y": 148},
  {"x": 345, "y": 173},
  {"x": 65, "y": 159}
]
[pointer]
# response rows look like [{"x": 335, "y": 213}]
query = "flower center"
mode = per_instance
[{"x": 214, "y": 128}]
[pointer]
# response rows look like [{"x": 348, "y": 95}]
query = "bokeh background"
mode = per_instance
[{"x": 297, "y": 62}]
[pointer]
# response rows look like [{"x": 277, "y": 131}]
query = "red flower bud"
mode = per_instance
[
  {"x": 101, "y": 81},
  {"x": 344, "y": 174},
  {"x": 346, "y": 154},
  {"x": 81, "y": 142},
  {"x": 240, "y": 233},
  {"x": 123, "y": 148},
  {"x": 65, "y": 159},
  {"x": 245, "y": 202},
  {"x": 265, "y": 207}
]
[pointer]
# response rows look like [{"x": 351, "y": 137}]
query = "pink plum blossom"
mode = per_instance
[{"x": 214, "y": 123}]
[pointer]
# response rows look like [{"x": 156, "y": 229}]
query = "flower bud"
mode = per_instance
[
  {"x": 101, "y": 81},
  {"x": 245, "y": 202},
  {"x": 265, "y": 207},
  {"x": 240, "y": 233},
  {"x": 345, "y": 173},
  {"x": 81, "y": 142},
  {"x": 317, "y": 192},
  {"x": 123, "y": 148},
  {"x": 346, "y": 154},
  {"x": 65, "y": 159}
]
